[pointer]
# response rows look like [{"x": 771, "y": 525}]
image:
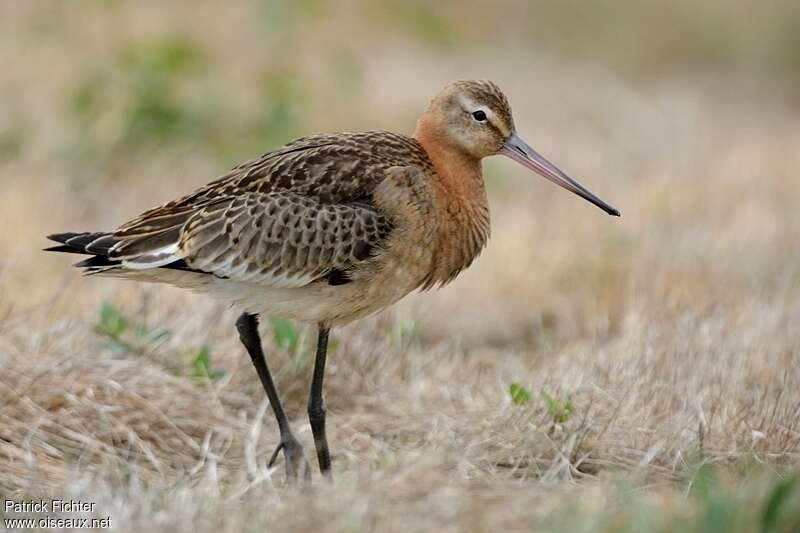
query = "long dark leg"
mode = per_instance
[
  {"x": 247, "y": 325},
  {"x": 316, "y": 405}
]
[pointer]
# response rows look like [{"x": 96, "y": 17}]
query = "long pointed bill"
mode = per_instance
[{"x": 521, "y": 152}]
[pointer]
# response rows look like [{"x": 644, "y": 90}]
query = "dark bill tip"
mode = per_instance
[{"x": 521, "y": 152}]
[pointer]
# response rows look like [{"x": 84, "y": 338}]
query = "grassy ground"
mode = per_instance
[{"x": 586, "y": 374}]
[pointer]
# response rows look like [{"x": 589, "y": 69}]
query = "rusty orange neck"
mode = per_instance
[
  {"x": 458, "y": 172},
  {"x": 462, "y": 206}
]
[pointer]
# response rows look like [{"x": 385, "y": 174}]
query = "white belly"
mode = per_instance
[{"x": 317, "y": 302}]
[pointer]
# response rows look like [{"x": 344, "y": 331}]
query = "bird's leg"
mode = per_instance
[
  {"x": 316, "y": 405},
  {"x": 296, "y": 463}
]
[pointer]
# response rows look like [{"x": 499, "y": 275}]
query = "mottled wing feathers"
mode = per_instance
[
  {"x": 329, "y": 168},
  {"x": 332, "y": 168},
  {"x": 280, "y": 239},
  {"x": 289, "y": 217}
]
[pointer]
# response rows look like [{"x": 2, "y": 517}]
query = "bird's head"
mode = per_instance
[{"x": 474, "y": 119}]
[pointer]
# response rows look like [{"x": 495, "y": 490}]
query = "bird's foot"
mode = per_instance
[{"x": 296, "y": 463}]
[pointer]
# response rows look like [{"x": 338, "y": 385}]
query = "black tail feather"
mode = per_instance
[
  {"x": 98, "y": 245},
  {"x": 95, "y": 244},
  {"x": 65, "y": 249},
  {"x": 97, "y": 261}
]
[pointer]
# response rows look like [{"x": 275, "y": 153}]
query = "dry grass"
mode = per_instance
[{"x": 672, "y": 332}]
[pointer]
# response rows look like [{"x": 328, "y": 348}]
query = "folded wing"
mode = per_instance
[
  {"x": 281, "y": 239},
  {"x": 292, "y": 216}
]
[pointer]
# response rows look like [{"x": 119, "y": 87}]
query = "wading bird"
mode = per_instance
[{"x": 328, "y": 229}]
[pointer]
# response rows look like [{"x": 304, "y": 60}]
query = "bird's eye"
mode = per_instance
[{"x": 479, "y": 115}]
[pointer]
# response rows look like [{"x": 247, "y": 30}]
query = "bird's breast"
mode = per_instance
[{"x": 462, "y": 233}]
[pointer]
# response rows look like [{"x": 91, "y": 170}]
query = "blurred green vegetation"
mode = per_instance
[
  {"x": 285, "y": 334},
  {"x": 640, "y": 39},
  {"x": 122, "y": 335},
  {"x": 276, "y": 16},
  {"x": 11, "y": 143},
  {"x": 430, "y": 23},
  {"x": 202, "y": 370},
  {"x": 559, "y": 410},
  {"x": 125, "y": 336},
  {"x": 138, "y": 99},
  {"x": 662, "y": 38},
  {"x": 161, "y": 95},
  {"x": 165, "y": 92},
  {"x": 761, "y": 503},
  {"x": 519, "y": 394}
]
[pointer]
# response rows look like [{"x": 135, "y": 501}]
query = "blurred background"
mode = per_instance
[
  {"x": 675, "y": 112},
  {"x": 683, "y": 114}
]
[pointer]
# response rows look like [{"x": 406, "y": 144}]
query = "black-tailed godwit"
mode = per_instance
[{"x": 328, "y": 229}]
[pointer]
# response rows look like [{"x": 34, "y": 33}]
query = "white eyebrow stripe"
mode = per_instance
[{"x": 471, "y": 106}]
